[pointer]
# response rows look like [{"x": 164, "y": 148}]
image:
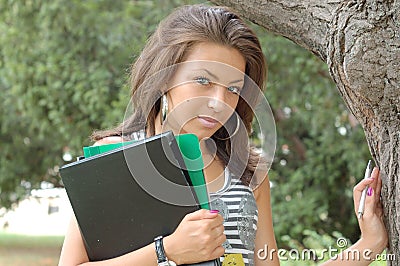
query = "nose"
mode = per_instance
[{"x": 217, "y": 98}]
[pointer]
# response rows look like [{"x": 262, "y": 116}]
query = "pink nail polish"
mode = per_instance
[
  {"x": 214, "y": 211},
  {"x": 369, "y": 191}
]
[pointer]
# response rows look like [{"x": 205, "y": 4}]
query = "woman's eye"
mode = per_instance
[
  {"x": 234, "y": 89},
  {"x": 203, "y": 80}
]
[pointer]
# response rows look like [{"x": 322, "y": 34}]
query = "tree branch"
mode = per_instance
[{"x": 304, "y": 22}]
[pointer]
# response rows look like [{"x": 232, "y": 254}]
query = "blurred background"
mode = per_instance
[{"x": 63, "y": 74}]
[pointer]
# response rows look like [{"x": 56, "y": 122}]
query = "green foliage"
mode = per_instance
[{"x": 63, "y": 69}]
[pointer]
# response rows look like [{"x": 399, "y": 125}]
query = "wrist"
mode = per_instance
[
  {"x": 376, "y": 245},
  {"x": 171, "y": 250}
]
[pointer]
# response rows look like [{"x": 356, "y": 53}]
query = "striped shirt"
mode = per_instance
[{"x": 237, "y": 205}]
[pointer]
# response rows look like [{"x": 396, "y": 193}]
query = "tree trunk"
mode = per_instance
[{"x": 360, "y": 42}]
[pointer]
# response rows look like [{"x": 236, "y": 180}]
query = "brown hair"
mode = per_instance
[{"x": 185, "y": 27}]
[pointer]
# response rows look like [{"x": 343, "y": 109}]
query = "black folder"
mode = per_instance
[{"x": 122, "y": 198}]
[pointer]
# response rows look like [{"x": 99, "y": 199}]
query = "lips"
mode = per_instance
[{"x": 207, "y": 121}]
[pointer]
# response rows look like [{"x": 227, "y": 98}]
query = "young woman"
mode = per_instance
[{"x": 211, "y": 59}]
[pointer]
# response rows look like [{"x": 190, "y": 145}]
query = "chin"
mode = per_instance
[{"x": 205, "y": 135}]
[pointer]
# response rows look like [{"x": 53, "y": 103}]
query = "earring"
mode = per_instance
[
  {"x": 164, "y": 108},
  {"x": 234, "y": 132}
]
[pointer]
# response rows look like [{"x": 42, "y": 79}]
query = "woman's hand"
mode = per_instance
[
  {"x": 373, "y": 231},
  {"x": 199, "y": 237}
]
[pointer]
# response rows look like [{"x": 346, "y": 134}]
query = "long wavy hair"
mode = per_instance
[{"x": 167, "y": 47}]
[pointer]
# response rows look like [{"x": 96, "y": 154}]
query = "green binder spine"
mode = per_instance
[
  {"x": 94, "y": 150},
  {"x": 190, "y": 149}
]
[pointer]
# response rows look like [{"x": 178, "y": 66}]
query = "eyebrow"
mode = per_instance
[{"x": 216, "y": 78}]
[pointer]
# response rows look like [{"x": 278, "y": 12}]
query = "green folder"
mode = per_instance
[
  {"x": 190, "y": 149},
  {"x": 191, "y": 153},
  {"x": 94, "y": 150}
]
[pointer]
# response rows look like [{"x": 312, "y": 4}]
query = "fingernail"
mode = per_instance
[
  {"x": 214, "y": 211},
  {"x": 369, "y": 191}
]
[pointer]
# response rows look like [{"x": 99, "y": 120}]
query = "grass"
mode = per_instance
[{"x": 23, "y": 250}]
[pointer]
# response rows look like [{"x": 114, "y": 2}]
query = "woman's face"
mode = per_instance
[{"x": 204, "y": 91}]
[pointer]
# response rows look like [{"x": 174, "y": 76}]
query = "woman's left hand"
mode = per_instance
[{"x": 373, "y": 231}]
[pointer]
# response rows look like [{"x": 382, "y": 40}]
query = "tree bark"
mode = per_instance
[{"x": 360, "y": 42}]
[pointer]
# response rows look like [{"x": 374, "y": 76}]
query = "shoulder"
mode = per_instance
[{"x": 108, "y": 140}]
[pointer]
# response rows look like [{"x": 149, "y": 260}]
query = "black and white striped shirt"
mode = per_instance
[{"x": 236, "y": 203}]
